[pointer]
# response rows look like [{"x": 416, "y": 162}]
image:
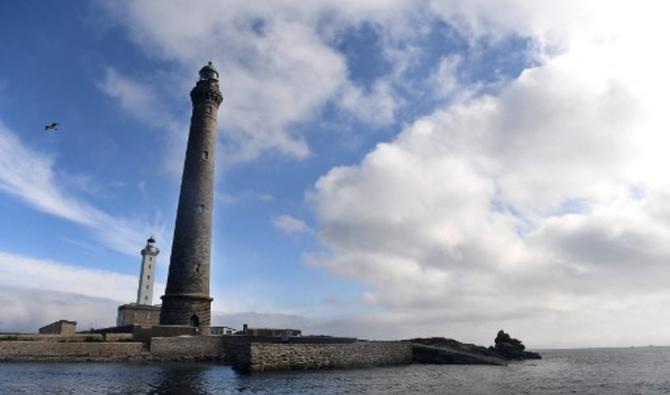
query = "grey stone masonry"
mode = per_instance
[
  {"x": 62, "y": 327},
  {"x": 69, "y": 351},
  {"x": 186, "y": 300},
  {"x": 262, "y": 357},
  {"x": 137, "y": 314},
  {"x": 243, "y": 352},
  {"x": 188, "y": 347}
]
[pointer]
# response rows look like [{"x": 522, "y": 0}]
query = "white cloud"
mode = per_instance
[
  {"x": 35, "y": 292},
  {"x": 30, "y": 177},
  {"x": 275, "y": 70},
  {"x": 542, "y": 208},
  {"x": 134, "y": 97},
  {"x": 26, "y": 310},
  {"x": 277, "y": 62},
  {"x": 242, "y": 197},
  {"x": 31, "y": 273},
  {"x": 290, "y": 225},
  {"x": 376, "y": 107},
  {"x": 144, "y": 102},
  {"x": 279, "y": 67},
  {"x": 444, "y": 82}
]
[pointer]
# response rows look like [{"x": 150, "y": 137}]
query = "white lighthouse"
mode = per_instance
[{"x": 145, "y": 292}]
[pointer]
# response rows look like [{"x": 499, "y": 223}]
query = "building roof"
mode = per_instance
[
  {"x": 61, "y": 322},
  {"x": 135, "y": 306}
]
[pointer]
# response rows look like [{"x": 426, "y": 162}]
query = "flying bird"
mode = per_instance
[{"x": 51, "y": 126}]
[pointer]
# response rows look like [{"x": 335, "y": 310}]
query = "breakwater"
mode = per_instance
[
  {"x": 245, "y": 353},
  {"x": 40, "y": 350},
  {"x": 260, "y": 357}
]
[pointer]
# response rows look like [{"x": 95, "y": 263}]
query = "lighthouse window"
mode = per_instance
[
  {"x": 205, "y": 155},
  {"x": 147, "y": 287},
  {"x": 148, "y": 277},
  {"x": 201, "y": 208},
  {"x": 150, "y": 259}
]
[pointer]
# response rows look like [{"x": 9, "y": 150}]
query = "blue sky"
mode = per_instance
[
  {"x": 383, "y": 168},
  {"x": 55, "y": 68}
]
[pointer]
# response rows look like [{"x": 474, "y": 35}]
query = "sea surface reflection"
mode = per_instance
[{"x": 587, "y": 371}]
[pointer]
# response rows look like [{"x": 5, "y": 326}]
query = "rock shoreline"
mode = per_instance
[{"x": 440, "y": 350}]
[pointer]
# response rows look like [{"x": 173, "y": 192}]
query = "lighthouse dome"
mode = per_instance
[
  {"x": 208, "y": 72},
  {"x": 150, "y": 248}
]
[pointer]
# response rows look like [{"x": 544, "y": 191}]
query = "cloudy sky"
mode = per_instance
[{"x": 386, "y": 168}]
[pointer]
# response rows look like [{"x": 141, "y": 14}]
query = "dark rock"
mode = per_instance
[
  {"x": 511, "y": 348},
  {"x": 441, "y": 355},
  {"x": 438, "y": 350},
  {"x": 454, "y": 345}
]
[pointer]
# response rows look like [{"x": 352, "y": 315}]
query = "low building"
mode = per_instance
[
  {"x": 221, "y": 330},
  {"x": 62, "y": 327},
  {"x": 138, "y": 314},
  {"x": 275, "y": 332}
]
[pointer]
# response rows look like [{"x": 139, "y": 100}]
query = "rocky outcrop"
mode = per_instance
[
  {"x": 511, "y": 348},
  {"x": 442, "y": 351},
  {"x": 453, "y": 345},
  {"x": 441, "y": 355},
  {"x": 438, "y": 350}
]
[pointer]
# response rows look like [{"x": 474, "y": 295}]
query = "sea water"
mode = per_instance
[{"x": 643, "y": 370}]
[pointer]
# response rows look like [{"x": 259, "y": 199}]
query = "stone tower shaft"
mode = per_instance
[{"x": 186, "y": 300}]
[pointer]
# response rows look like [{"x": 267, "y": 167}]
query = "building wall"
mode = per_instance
[
  {"x": 221, "y": 330},
  {"x": 146, "y": 334},
  {"x": 129, "y": 315},
  {"x": 260, "y": 357},
  {"x": 60, "y": 328}
]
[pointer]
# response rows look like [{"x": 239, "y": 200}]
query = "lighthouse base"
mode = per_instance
[{"x": 186, "y": 309}]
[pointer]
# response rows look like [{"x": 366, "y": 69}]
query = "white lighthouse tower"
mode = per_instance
[{"x": 145, "y": 292}]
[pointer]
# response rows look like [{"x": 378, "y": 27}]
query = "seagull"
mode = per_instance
[{"x": 51, "y": 126}]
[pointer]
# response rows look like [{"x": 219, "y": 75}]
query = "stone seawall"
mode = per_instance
[
  {"x": 242, "y": 352},
  {"x": 261, "y": 357},
  {"x": 69, "y": 351},
  {"x": 118, "y": 337},
  {"x": 82, "y": 337},
  {"x": 188, "y": 347}
]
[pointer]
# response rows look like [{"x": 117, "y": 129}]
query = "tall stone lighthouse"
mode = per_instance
[{"x": 186, "y": 300}]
